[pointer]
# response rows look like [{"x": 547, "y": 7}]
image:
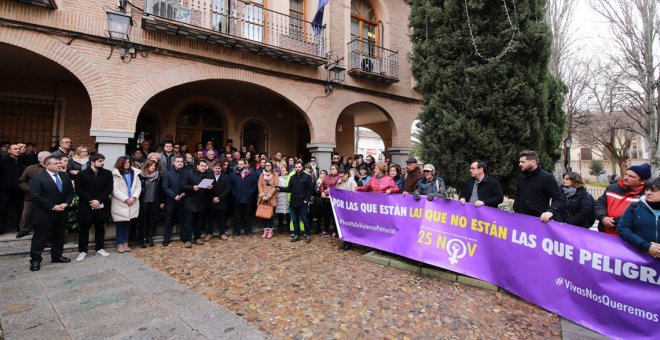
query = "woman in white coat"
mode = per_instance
[{"x": 125, "y": 200}]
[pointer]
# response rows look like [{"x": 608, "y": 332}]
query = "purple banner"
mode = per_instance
[{"x": 594, "y": 279}]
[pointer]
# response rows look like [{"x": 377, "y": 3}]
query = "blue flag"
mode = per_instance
[{"x": 317, "y": 22}]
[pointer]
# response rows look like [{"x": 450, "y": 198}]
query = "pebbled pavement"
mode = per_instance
[{"x": 315, "y": 291}]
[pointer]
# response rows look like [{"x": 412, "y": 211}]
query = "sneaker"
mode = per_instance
[
  {"x": 81, "y": 257},
  {"x": 199, "y": 242},
  {"x": 308, "y": 238},
  {"x": 295, "y": 238},
  {"x": 334, "y": 235},
  {"x": 187, "y": 245},
  {"x": 208, "y": 237},
  {"x": 102, "y": 252},
  {"x": 324, "y": 234}
]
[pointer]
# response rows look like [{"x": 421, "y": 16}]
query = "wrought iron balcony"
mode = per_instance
[
  {"x": 368, "y": 61},
  {"x": 41, "y": 3},
  {"x": 240, "y": 25}
]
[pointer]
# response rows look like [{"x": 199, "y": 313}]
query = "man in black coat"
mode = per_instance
[
  {"x": 537, "y": 193},
  {"x": 219, "y": 203},
  {"x": 195, "y": 203},
  {"x": 93, "y": 186},
  {"x": 481, "y": 189},
  {"x": 51, "y": 193},
  {"x": 301, "y": 188},
  {"x": 11, "y": 196},
  {"x": 174, "y": 198}
]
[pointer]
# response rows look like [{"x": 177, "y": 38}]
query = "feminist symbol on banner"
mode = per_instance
[{"x": 456, "y": 249}]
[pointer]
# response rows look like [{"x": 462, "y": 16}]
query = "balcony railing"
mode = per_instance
[
  {"x": 366, "y": 60},
  {"x": 241, "y": 25}
]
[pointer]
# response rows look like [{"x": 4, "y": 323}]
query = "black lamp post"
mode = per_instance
[{"x": 568, "y": 142}]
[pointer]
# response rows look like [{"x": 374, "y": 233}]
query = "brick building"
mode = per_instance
[{"x": 193, "y": 70}]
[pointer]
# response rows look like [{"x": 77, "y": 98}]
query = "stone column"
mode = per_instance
[
  {"x": 323, "y": 154},
  {"x": 112, "y": 144},
  {"x": 399, "y": 155}
]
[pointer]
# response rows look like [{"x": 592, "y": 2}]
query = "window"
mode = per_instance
[
  {"x": 253, "y": 20},
  {"x": 199, "y": 116},
  {"x": 297, "y": 14},
  {"x": 634, "y": 150},
  {"x": 163, "y": 9},
  {"x": 586, "y": 154},
  {"x": 363, "y": 25}
]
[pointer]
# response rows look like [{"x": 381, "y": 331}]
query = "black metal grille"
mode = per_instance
[{"x": 27, "y": 120}]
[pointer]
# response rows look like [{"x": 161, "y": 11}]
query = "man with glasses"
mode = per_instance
[
  {"x": 64, "y": 147},
  {"x": 481, "y": 189},
  {"x": 51, "y": 192}
]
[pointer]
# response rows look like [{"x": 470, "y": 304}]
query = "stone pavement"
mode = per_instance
[
  {"x": 315, "y": 291},
  {"x": 116, "y": 297}
]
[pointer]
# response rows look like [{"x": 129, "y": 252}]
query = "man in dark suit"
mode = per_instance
[
  {"x": 174, "y": 198},
  {"x": 195, "y": 204},
  {"x": 93, "y": 186},
  {"x": 51, "y": 193}
]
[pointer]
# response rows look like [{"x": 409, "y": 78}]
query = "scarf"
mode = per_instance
[
  {"x": 152, "y": 176},
  {"x": 268, "y": 176},
  {"x": 569, "y": 191}
]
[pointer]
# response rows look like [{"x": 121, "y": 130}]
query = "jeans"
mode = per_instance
[
  {"x": 123, "y": 229},
  {"x": 269, "y": 223},
  {"x": 300, "y": 214}
]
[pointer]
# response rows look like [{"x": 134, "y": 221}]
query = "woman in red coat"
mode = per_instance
[{"x": 380, "y": 182}]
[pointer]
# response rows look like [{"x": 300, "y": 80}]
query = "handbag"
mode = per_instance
[{"x": 264, "y": 211}]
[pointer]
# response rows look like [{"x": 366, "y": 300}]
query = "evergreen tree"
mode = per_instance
[{"x": 489, "y": 106}]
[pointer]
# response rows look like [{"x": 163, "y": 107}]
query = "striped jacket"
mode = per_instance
[{"x": 614, "y": 202}]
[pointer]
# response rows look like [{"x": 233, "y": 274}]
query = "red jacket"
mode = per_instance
[
  {"x": 329, "y": 181},
  {"x": 614, "y": 202},
  {"x": 379, "y": 185}
]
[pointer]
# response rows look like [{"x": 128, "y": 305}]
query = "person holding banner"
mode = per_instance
[
  {"x": 579, "y": 209},
  {"x": 481, "y": 189},
  {"x": 639, "y": 225},
  {"x": 413, "y": 175},
  {"x": 430, "y": 185},
  {"x": 618, "y": 196},
  {"x": 380, "y": 182},
  {"x": 537, "y": 193}
]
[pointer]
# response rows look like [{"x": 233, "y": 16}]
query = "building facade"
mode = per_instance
[{"x": 257, "y": 72}]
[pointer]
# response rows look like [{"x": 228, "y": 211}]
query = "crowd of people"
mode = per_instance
[{"x": 199, "y": 190}]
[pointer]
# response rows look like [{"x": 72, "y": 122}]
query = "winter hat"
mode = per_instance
[{"x": 642, "y": 170}]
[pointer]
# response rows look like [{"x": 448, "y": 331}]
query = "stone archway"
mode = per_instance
[
  {"x": 150, "y": 86},
  {"x": 362, "y": 114},
  {"x": 66, "y": 56}
]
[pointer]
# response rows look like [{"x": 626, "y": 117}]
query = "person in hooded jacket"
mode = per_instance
[
  {"x": 640, "y": 224},
  {"x": 579, "y": 207}
]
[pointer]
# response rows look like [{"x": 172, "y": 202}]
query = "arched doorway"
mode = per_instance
[
  {"x": 146, "y": 128},
  {"x": 199, "y": 124},
  {"x": 255, "y": 133},
  {"x": 376, "y": 136},
  {"x": 41, "y": 101}
]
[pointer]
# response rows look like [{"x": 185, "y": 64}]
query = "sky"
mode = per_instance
[{"x": 591, "y": 30}]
